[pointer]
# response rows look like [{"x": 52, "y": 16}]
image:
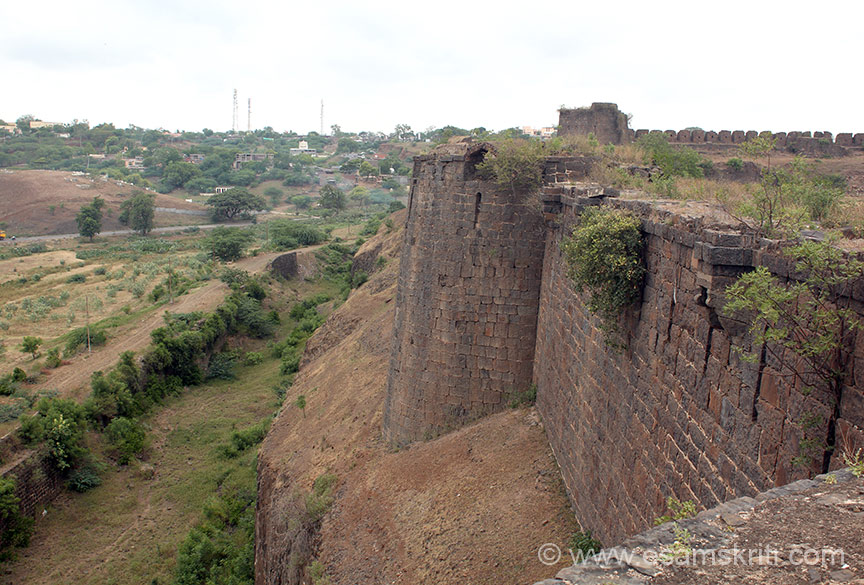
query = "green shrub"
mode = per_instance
[
  {"x": 359, "y": 278},
  {"x": 220, "y": 549},
  {"x": 17, "y": 528},
  {"x": 370, "y": 228},
  {"x": 128, "y": 437},
  {"x": 321, "y": 497},
  {"x": 244, "y": 439},
  {"x": 10, "y": 412},
  {"x": 99, "y": 271},
  {"x": 515, "y": 164},
  {"x": 604, "y": 256},
  {"x": 157, "y": 293},
  {"x": 287, "y": 234},
  {"x": 290, "y": 362},
  {"x": 76, "y": 278},
  {"x": 673, "y": 162},
  {"x": 678, "y": 510},
  {"x": 583, "y": 545},
  {"x": 78, "y": 338},
  {"x": 252, "y": 358},
  {"x": 53, "y": 359},
  {"x": 528, "y": 397},
  {"x": 8, "y": 385},
  {"x": 736, "y": 164},
  {"x": 84, "y": 479},
  {"x": 221, "y": 366}
]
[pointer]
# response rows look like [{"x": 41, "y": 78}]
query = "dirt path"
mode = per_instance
[{"x": 73, "y": 380}]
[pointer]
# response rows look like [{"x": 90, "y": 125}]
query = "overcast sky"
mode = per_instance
[{"x": 174, "y": 63}]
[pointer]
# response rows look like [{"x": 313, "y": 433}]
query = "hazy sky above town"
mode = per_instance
[{"x": 175, "y": 63}]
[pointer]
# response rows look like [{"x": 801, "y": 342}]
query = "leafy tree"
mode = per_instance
[
  {"x": 228, "y": 244},
  {"x": 301, "y": 201},
  {"x": 138, "y": 212},
  {"x": 360, "y": 194},
  {"x": 234, "y": 202},
  {"x": 348, "y": 145},
  {"x": 351, "y": 165},
  {"x": 403, "y": 132},
  {"x": 89, "y": 218},
  {"x": 178, "y": 173},
  {"x": 275, "y": 194},
  {"x": 31, "y": 345},
  {"x": 200, "y": 185},
  {"x": 367, "y": 169},
  {"x": 332, "y": 198}
]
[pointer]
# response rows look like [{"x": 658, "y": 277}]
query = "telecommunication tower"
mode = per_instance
[{"x": 234, "y": 121}]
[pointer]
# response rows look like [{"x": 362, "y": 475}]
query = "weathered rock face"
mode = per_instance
[
  {"x": 605, "y": 121},
  {"x": 467, "y": 298}
]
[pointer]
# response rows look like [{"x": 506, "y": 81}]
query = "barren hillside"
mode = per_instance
[{"x": 36, "y": 203}]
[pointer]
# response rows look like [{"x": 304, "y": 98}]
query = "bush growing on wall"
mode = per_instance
[
  {"x": 604, "y": 255},
  {"x": 515, "y": 164},
  {"x": 16, "y": 527}
]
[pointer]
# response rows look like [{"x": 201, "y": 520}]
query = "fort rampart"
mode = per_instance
[
  {"x": 485, "y": 307},
  {"x": 610, "y": 126}
]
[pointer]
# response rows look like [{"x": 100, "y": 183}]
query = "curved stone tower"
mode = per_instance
[{"x": 467, "y": 300}]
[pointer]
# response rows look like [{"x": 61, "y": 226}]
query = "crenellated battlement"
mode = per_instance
[{"x": 609, "y": 125}]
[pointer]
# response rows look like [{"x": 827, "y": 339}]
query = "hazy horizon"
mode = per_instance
[{"x": 155, "y": 64}]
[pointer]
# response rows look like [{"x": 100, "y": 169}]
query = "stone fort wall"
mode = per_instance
[
  {"x": 467, "y": 300},
  {"x": 610, "y": 125},
  {"x": 484, "y": 307}
]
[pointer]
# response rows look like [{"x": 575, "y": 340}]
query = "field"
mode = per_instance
[{"x": 34, "y": 203}]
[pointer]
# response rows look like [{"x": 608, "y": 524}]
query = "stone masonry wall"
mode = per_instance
[
  {"x": 466, "y": 306},
  {"x": 605, "y": 121},
  {"x": 677, "y": 414},
  {"x": 37, "y": 483},
  {"x": 610, "y": 126}
]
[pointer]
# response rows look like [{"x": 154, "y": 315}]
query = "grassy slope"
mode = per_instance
[{"x": 127, "y": 531}]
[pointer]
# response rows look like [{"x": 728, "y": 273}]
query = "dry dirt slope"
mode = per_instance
[
  {"x": 472, "y": 506},
  {"x": 26, "y": 198}
]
